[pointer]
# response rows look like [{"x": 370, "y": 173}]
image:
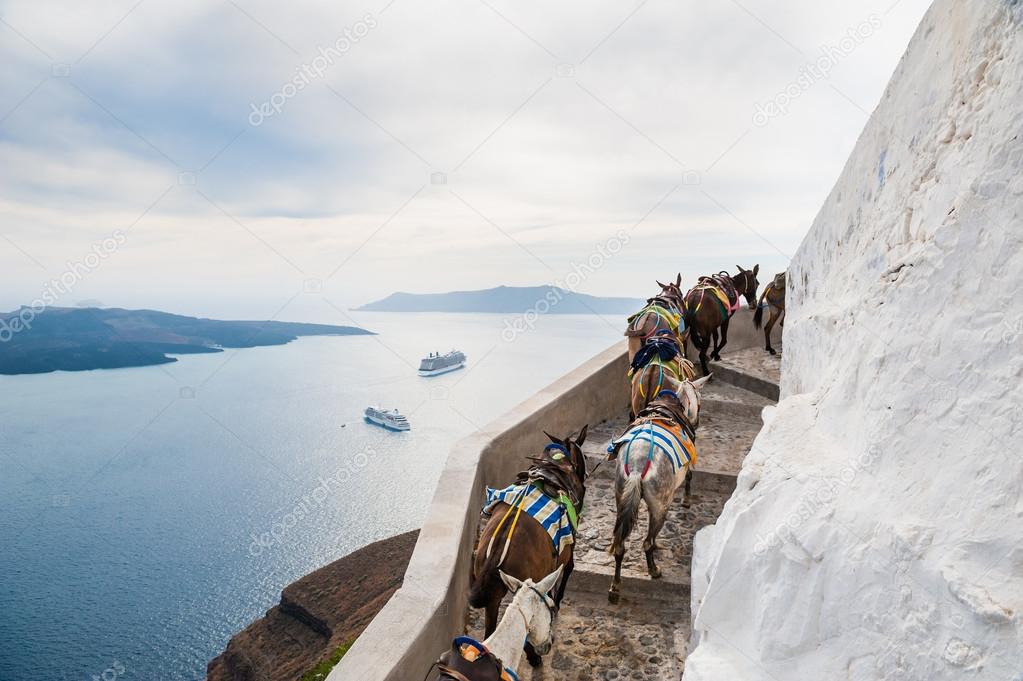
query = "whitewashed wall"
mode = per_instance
[{"x": 877, "y": 528}]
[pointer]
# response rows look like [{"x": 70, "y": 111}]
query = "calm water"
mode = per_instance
[{"x": 148, "y": 514}]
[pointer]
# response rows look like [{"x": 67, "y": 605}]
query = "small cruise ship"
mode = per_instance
[
  {"x": 435, "y": 363},
  {"x": 390, "y": 419}
]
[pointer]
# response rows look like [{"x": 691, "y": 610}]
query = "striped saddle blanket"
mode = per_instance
[
  {"x": 543, "y": 509},
  {"x": 644, "y": 439}
]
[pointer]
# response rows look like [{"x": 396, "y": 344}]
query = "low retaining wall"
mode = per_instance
[{"x": 422, "y": 617}]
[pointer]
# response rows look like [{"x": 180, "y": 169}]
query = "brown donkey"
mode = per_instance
[
  {"x": 710, "y": 305},
  {"x": 526, "y": 522},
  {"x": 663, "y": 312},
  {"x": 774, "y": 294}
]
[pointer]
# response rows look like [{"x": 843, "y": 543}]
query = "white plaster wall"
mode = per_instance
[{"x": 877, "y": 528}]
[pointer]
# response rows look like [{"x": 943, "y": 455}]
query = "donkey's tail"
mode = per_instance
[
  {"x": 628, "y": 509},
  {"x": 758, "y": 316}
]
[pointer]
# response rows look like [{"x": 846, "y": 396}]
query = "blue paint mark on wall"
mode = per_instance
[{"x": 880, "y": 168}]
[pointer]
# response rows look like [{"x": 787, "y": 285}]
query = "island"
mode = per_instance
[
  {"x": 506, "y": 299},
  {"x": 78, "y": 339}
]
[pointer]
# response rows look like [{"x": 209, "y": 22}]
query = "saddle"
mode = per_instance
[
  {"x": 722, "y": 288},
  {"x": 663, "y": 411},
  {"x": 666, "y": 308},
  {"x": 555, "y": 475},
  {"x": 662, "y": 345},
  {"x": 470, "y": 660}
]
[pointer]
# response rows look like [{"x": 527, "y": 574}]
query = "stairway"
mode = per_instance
[{"x": 647, "y": 633}]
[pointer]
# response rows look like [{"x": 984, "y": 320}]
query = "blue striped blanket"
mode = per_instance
[
  {"x": 655, "y": 436},
  {"x": 545, "y": 510}
]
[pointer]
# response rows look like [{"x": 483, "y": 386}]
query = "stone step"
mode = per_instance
[{"x": 751, "y": 369}]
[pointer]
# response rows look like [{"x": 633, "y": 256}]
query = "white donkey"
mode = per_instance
[
  {"x": 654, "y": 457},
  {"x": 530, "y": 616}
]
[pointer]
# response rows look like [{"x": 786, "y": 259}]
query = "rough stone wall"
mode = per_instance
[{"x": 877, "y": 528}]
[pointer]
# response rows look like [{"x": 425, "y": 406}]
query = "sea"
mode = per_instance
[{"x": 148, "y": 514}]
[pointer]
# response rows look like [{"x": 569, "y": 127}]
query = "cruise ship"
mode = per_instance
[
  {"x": 390, "y": 419},
  {"x": 436, "y": 363}
]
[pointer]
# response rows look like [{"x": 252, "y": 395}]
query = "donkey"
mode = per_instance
[
  {"x": 774, "y": 294},
  {"x": 517, "y": 543},
  {"x": 710, "y": 305},
  {"x": 659, "y": 365},
  {"x": 530, "y": 616},
  {"x": 663, "y": 312},
  {"x": 654, "y": 457}
]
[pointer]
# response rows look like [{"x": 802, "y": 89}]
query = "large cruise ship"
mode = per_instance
[
  {"x": 436, "y": 363},
  {"x": 390, "y": 419}
]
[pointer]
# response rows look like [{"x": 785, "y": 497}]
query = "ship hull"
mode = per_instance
[
  {"x": 385, "y": 424},
  {"x": 445, "y": 370}
]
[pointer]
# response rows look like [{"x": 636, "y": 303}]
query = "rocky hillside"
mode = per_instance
[
  {"x": 316, "y": 615},
  {"x": 876, "y": 531}
]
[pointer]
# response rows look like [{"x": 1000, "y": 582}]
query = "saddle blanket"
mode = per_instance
[
  {"x": 662, "y": 436},
  {"x": 542, "y": 508}
]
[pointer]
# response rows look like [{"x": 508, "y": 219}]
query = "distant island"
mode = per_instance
[
  {"x": 505, "y": 299},
  {"x": 78, "y": 339}
]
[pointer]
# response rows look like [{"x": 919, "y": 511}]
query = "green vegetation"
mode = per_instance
[{"x": 320, "y": 671}]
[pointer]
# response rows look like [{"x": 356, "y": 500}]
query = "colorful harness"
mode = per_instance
[
  {"x": 662, "y": 436},
  {"x": 723, "y": 291},
  {"x": 673, "y": 320},
  {"x": 557, "y": 515}
]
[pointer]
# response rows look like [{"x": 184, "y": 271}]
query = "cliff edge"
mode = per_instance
[{"x": 317, "y": 614}]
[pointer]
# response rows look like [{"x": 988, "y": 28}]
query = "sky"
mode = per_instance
[{"x": 256, "y": 159}]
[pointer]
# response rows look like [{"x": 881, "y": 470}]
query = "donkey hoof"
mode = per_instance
[
  {"x": 613, "y": 597},
  {"x": 772, "y": 351},
  {"x": 655, "y": 573}
]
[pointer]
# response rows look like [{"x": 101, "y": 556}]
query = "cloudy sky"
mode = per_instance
[{"x": 256, "y": 158}]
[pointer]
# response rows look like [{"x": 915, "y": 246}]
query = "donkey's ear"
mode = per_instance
[
  {"x": 740, "y": 269},
  {"x": 756, "y": 268},
  {"x": 581, "y": 437},
  {"x": 678, "y": 280},
  {"x": 660, "y": 284},
  {"x": 548, "y": 582},
  {"x": 555, "y": 440},
  {"x": 509, "y": 581},
  {"x": 700, "y": 382}
]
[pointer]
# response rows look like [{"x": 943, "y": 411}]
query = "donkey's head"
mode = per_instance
[
  {"x": 746, "y": 284},
  {"x": 672, "y": 290},
  {"x": 570, "y": 446},
  {"x": 537, "y": 607}
]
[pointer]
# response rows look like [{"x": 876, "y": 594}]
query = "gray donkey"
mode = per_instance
[{"x": 654, "y": 456}]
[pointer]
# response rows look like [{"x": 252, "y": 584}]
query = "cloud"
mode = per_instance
[{"x": 553, "y": 126}]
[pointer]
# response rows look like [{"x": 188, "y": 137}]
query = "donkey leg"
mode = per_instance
[
  {"x": 614, "y": 593},
  {"x": 767, "y": 331},
  {"x": 658, "y": 514},
  {"x": 565, "y": 574},
  {"x": 686, "y": 497},
  {"x": 724, "y": 341}
]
